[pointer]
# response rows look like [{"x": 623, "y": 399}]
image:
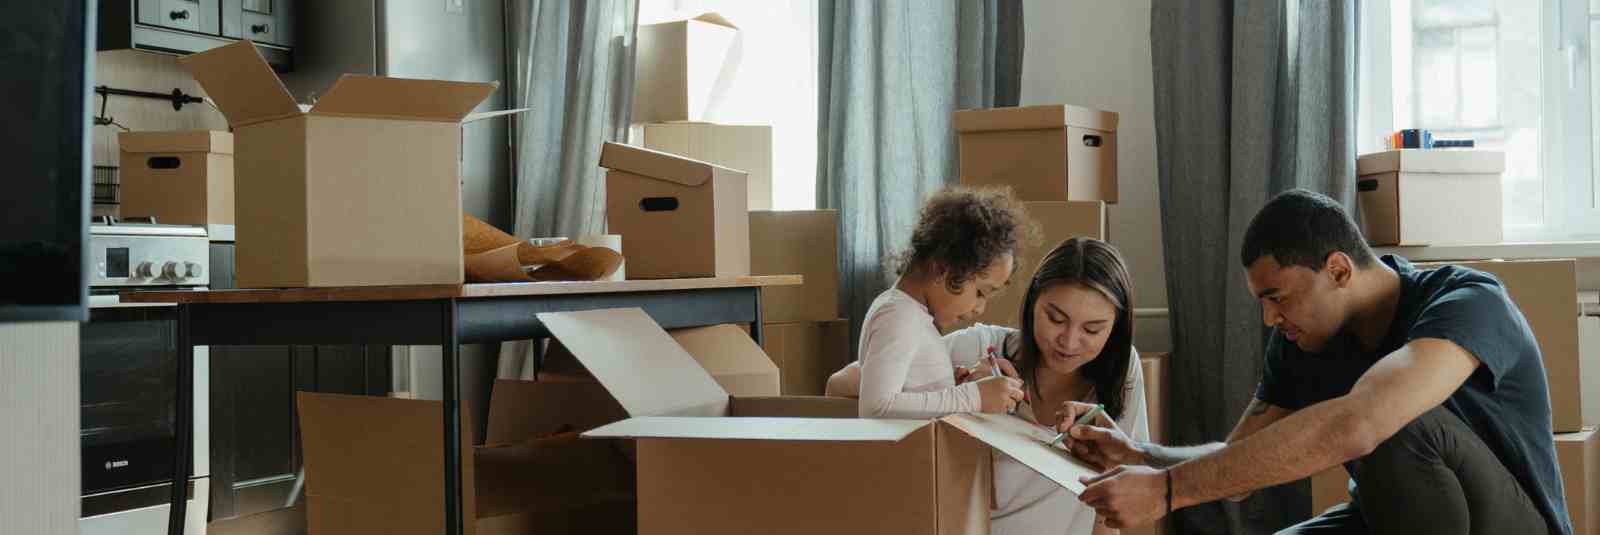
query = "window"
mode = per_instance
[{"x": 1513, "y": 75}]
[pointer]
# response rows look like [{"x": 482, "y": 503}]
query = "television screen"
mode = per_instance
[{"x": 46, "y": 53}]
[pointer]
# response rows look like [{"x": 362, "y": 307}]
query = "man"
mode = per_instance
[{"x": 1427, "y": 384}]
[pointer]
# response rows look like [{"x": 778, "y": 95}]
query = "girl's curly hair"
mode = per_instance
[{"x": 963, "y": 230}]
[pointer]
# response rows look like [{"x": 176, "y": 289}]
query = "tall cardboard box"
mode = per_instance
[
  {"x": 678, "y": 217},
  {"x": 798, "y": 242},
  {"x": 363, "y": 189},
  {"x": 1547, "y": 293},
  {"x": 181, "y": 178},
  {"x": 1045, "y": 153},
  {"x": 746, "y": 148},
  {"x": 1589, "y": 357},
  {"x": 684, "y": 68},
  {"x": 1430, "y": 197},
  {"x": 701, "y": 472},
  {"x": 1579, "y": 457},
  {"x": 1058, "y": 221},
  {"x": 1154, "y": 366},
  {"x": 806, "y": 353}
]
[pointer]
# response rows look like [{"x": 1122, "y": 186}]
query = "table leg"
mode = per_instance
[
  {"x": 183, "y": 425},
  {"x": 451, "y": 367}
]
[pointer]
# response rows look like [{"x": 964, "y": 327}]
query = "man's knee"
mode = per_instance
[{"x": 1420, "y": 441}]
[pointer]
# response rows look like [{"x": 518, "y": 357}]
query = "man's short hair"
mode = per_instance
[{"x": 1300, "y": 228}]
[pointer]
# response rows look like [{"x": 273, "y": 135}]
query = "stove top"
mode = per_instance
[{"x": 138, "y": 252}]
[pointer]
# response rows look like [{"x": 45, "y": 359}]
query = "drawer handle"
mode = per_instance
[
  {"x": 164, "y": 162},
  {"x": 258, "y": 28},
  {"x": 1091, "y": 140},
  {"x": 180, "y": 15},
  {"x": 658, "y": 204},
  {"x": 1370, "y": 184}
]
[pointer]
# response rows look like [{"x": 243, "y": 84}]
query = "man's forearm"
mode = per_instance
[
  {"x": 1164, "y": 456},
  {"x": 1292, "y": 448}
]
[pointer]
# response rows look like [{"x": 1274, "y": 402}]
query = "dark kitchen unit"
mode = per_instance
[{"x": 188, "y": 26}]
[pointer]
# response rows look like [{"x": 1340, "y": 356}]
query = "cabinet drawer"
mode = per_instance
[{"x": 258, "y": 27}]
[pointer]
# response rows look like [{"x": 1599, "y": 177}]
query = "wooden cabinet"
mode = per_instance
[{"x": 188, "y": 26}]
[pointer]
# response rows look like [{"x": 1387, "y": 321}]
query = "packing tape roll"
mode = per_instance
[{"x": 612, "y": 242}]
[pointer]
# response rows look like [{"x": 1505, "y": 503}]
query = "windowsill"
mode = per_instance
[{"x": 1505, "y": 251}]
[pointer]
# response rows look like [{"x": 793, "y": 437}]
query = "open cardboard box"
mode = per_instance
[{"x": 709, "y": 462}]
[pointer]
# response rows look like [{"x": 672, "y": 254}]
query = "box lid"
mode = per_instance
[
  {"x": 1034, "y": 118},
  {"x": 657, "y": 164},
  {"x": 239, "y": 80},
  {"x": 1025, "y": 442},
  {"x": 1431, "y": 161},
  {"x": 801, "y": 429},
  {"x": 637, "y": 362},
  {"x": 176, "y": 142},
  {"x": 402, "y": 98}
]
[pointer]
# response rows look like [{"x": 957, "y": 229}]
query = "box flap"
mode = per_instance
[
  {"x": 402, "y": 98},
  {"x": 804, "y": 429},
  {"x": 474, "y": 117},
  {"x": 647, "y": 372},
  {"x": 1432, "y": 161},
  {"x": 176, "y": 142},
  {"x": 712, "y": 17},
  {"x": 1034, "y": 118},
  {"x": 656, "y": 164},
  {"x": 795, "y": 407},
  {"x": 732, "y": 358},
  {"x": 1025, "y": 443},
  {"x": 239, "y": 80},
  {"x": 555, "y": 473},
  {"x": 520, "y": 411}
]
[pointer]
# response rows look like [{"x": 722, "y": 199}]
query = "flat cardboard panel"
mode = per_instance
[
  {"x": 219, "y": 188},
  {"x": 662, "y": 244},
  {"x": 800, "y": 242},
  {"x": 520, "y": 411},
  {"x": 198, "y": 191},
  {"x": 685, "y": 69},
  {"x": 1589, "y": 359},
  {"x": 654, "y": 164},
  {"x": 806, "y": 353},
  {"x": 732, "y": 220},
  {"x": 1379, "y": 197},
  {"x": 1032, "y": 162},
  {"x": 793, "y": 407},
  {"x": 1025, "y": 443},
  {"x": 835, "y": 430},
  {"x": 732, "y": 359},
  {"x": 551, "y": 474},
  {"x": 1438, "y": 209},
  {"x": 176, "y": 141},
  {"x": 1058, "y": 222},
  {"x": 1329, "y": 488},
  {"x": 746, "y": 148},
  {"x": 643, "y": 368},
  {"x": 1154, "y": 366},
  {"x": 1091, "y": 164},
  {"x": 1578, "y": 455},
  {"x": 966, "y": 481},
  {"x": 242, "y": 84},
  {"x": 271, "y": 237},
  {"x": 1431, "y": 161},
  {"x": 383, "y": 202},
  {"x": 694, "y": 487},
  {"x": 402, "y": 98}
]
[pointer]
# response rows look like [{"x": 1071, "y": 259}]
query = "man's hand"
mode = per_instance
[
  {"x": 1127, "y": 496},
  {"x": 1100, "y": 443}
]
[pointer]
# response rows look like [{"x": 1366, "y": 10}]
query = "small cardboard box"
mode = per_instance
[
  {"x": 372, "y": 466},
  {"x": 363, "y": 189},
  {"x": 1329, "y": 488},
  {"x": 678, "y": 217},
  {"x": 1589, "y": 359},
  {"x": 1045, "y": 153},
  {"x": 181, "y": 178},
  {"x": 1154, "y": 366},
  {"x": 1547, "y": 293},
  {"x": 1430, "y": 197},
  {"x": 1058, "y": 221},
  {"x": 1579, "y": 457},
  {"x": 684, "y": 67},
  {"x": 701, "y": 472},
  {"x": 746, "y": 148},
  {"x": 807, "y": 353},
  {"x": 799, "y": 242}
]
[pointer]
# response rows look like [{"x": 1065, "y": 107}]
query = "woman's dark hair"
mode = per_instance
[
  {"x": 963, "y": 230},
  {"x": 1098, "y": 266}
]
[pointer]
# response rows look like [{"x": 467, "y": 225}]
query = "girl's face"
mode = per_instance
[
  {"x": 1071, "y": 324},
  {"x": 951, "y": 309}
]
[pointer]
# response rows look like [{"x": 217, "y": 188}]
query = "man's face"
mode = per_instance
[{"x": 1306, "y": 306}]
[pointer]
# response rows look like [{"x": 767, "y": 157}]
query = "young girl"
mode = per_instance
[{"x": 1075, "y": 344}]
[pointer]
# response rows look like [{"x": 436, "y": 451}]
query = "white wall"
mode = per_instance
[{"x": 1097, "y": 54}]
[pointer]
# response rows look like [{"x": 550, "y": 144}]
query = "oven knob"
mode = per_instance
[
  {"x": 192, "y": 270},
  {"x": 169, "y": 270},
  {"x": 145, "y": 270}
]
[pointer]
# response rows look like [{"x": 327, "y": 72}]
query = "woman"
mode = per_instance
[{"x": 1075, "y": 344}]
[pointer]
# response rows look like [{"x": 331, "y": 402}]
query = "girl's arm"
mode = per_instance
[{"x": 888, "y": 353}]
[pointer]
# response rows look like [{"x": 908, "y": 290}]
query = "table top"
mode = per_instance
[{"x": 450, "y": 291}]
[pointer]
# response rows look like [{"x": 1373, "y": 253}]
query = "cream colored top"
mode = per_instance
[{"x": 905, "y": 365}]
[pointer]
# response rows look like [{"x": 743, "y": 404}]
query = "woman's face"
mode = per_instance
[
  {"x": 1071, "y": 324},
  {"x": 951, "y": 309}
]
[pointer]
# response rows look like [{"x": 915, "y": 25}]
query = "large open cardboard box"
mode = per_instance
[
  {"x": 363, "y": 189},
  {"x": 1045, "y": 153},
  {"x": 745, "y": 147},
  {"x": 1058, "y": 221},
  {"x": 797, "y": 242},
  {"x": 709, "y": 462},
  {"x": 1430, "y": 197},
  {"x": 684, "y": 68},
  {"x": 678, "y": 217},
  {"x": 181, "y": 178},
  {"x": 1579, "y": 457}
]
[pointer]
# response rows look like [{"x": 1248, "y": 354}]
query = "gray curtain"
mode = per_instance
[
  {"x": 573, "y": 64},
  {"x": 890, "y": 74},
  {"x": 1252, "y": 97}
]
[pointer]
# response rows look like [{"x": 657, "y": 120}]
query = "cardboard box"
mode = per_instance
[
  {"x": 1579, "y": 457},
  {"x": 1329, "y": 488},
  {"x": 181, "y": 178},
  {"x": 799, "y": 242},
  {"x": 1430, "y": 197},
  {"x": 1589, "y": 359},
  {"x": 1154, "y": 366},
  {"x": 807, "y": 352},
  {"x": 1045, "y": 153},
  {"x": 1058, "y": 222},
  {"x": 684, "y": 67},
  {"x": 372, "y": 466},
  {"x": 363, "y": 189},
  {"x": 678, "y": 217},
  {"x": 699, "y": 472},
  {"x": 1547, "y": 293},
  {"x": 708, "y": 346},
  {"x": 746, "y": 148}
]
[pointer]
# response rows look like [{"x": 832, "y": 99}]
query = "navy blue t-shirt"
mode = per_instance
[{"x": 1506, "y": 401}]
